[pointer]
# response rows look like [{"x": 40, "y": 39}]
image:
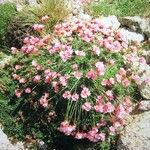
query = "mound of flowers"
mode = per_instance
[{"x": 80, "y": 67}]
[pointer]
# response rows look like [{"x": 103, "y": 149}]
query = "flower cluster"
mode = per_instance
[{"x": 81, "y": 65}]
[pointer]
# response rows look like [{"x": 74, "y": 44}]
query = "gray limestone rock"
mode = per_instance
[
  {"x": 132, "y": 36},
  {"x": 137, "y": 24},
  {"x": 136, "y": 135}
]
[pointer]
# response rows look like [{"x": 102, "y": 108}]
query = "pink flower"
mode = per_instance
[
  {"x": 94, "y": 136},
  {"x": 55, "y": 86},
  {"x": 38, "y": 67},
  {"x": 80, "y": 53},
  {"x": 17, "y": 67},
  {"x": 101, "y": 42},
  {"x": 104, "y": 82},
  {"x": 46, "y": 39},
  {"x": 43, "y": 100},
  {"x": 66, "y": 128},
  {"x": 34, "y": 63},
  {"x": 122, "y": 72},
  {"x": 28, "y": 90},
  {"x": 120, "y": 112},
  {"x": 102, "y": 123},
  {"x": 67, "y": 95},
  {"x": 66, "y": 54},
  {"x": 91, "y": 75},
  {"x": 63, "y": 80},
  {"x": 117, "y": 46},
  {"x": 108, "y": 82},
  {"x": 49, "y": 75},
  {"x": 48, "y": 78},
  {"x": 56, "y": 48},
  {"x": 102, "y": 136},
  {"x": 136, "y": 78},
  {"x": 45, "y": 18},
  {"x": 99, "y": 99},
  {"x": 79, "y": 135},
  {"x": 16, "y": 77},
  {"x": 75, "y": 97},
  {"x": 126, "y": 82},
  {"x": 109, "y": 95},
  {"x": 111, "y": 81},
  {"x": 96, "y": 50},
  {"x": 118, "y": 78},
  {"x": 108, "y": 108},
  {"x": 22, "y": 80},
  {"x": 38, "y": 27},
  {"x": 78, "y": 74},
  {"x": 112, "y": 130},
  {"x": 108, "y": 45},
  {"x": 99, "y": 107},
  {"x": 87, "y": 106},
  {"x": 117, "y": 124},
  {"x": 37, "y": 78},
  {"x": 85, "y": 92},
  {"x": 18, "y": 93},
  {"x": 100, "y": 68},
  {"x": 74, "y": 66},
  {"x": 13, "y": 50}
]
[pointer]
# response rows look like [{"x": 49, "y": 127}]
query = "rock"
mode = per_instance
[
  {"x": 136, "y": 135},
  {"x": 132, "y": 36},
  {"x": 77, "y": 12},
  {"x": 111, "y": 21},
  {"x": 144, "y": 105},
  {"x": 148, "y": 56},
  {"x": 5, "y": 144},
  {"x": 137, "y": 24},
  {"x": 84, "y": 17},
  {"x": 144, "y": 87},
  {"x": 145, "y": 90},
  {"x": 75, "y": 6}
]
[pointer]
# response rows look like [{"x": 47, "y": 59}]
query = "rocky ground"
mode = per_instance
[{"x": 136, "y": 135}]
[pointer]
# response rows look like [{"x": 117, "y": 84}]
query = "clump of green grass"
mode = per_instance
[
  {"x": 57, "y": 10},
  {"x": 120, "y": 7}
]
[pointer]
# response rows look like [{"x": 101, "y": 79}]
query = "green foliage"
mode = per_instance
[
  {"x": 120, "y": 7},
  {"x": 7, "y": 13},
  {"x": 11, "y": 128}
]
